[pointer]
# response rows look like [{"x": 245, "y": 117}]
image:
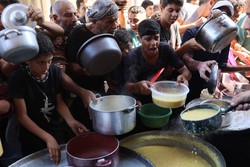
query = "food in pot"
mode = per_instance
[
  {"x": 199, "y": 114},
  {"x": 165, "y": 156}
]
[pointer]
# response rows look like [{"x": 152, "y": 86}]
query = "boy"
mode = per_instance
[{"x": 36, "y": 92}]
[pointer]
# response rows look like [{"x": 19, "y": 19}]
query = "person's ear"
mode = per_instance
[{"x": 53, "y": 17}]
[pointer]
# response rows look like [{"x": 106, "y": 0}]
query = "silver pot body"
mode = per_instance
[
  {"x": 217, "y": 32},
  {"x": 18, "y": 44},
  {"x": 114, "y": 114},
  {"x": 100, "y": 54}
]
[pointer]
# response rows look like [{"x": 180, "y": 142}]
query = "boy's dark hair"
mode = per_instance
[
  {"x": 45, "y": 45},
  {"x": 78, "y": 3},
  {"x": 8, "y": 2},
  {"x": 148, "y": 27},
  {"x": 146, "y": 3},
  {"x": 164, "y": 3},
  {"x": 123, "y": 36}
]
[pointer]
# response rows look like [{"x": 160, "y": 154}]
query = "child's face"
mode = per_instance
[
  {"x": 40, "y": 65},
  {"x": 135, "y": 19},
  {"x": 170, "y": 13},
  {"x": 150, "y": 44}
]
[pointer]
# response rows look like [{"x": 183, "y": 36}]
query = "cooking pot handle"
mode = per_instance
[
  {"x": 130, "y": 109},
  {"x": 103, "y": 162},
  {"x": 11, "y": 31}
]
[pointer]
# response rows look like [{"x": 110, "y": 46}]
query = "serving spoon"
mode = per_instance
[{"x": 156, "y": 76}]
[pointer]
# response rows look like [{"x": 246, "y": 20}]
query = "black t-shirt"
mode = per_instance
[
  {"x": 40, "y": 100},
  {"x": 137, "y": 69}
]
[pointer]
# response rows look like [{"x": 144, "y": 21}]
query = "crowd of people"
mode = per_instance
[{"x": 50, "y": 93}]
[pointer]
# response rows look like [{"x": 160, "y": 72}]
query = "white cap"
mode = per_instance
[{"x": 224, "y": 3}]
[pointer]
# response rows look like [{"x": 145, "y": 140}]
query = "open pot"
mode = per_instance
[
  {"x": 92, "y": 149},
  {"x": 114, "y": 114},
  {"x": 201, "y": 119},
  {"x": 100, "y": 54},
  {"x": 217, "y": 32},
  {"x": 192, "y": 144},
  {"x": 18, "y": 44}
]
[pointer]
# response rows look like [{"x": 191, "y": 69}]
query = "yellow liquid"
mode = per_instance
[
  {"x": 168, "y": 103},
  {"x": 198, "y": 114},
  {"x": 1, "y": 148},
  {"x": 166, "y": 156}
]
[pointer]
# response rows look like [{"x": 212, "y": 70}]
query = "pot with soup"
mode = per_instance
[{"x": 201, "y": 119}]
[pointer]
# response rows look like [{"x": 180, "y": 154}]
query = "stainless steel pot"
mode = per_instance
[
  {"x": 114, "y": 114},
  {"x": 100, "y": 54},
  {"x": 176, "y": 139},
  {"x": 18, "y": 44},
  {"x": 217, "y": 32}
]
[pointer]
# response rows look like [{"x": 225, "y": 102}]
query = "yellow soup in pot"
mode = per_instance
[
  {"x": 198, "y": 114},
  {"x": 167, "y": 156}
]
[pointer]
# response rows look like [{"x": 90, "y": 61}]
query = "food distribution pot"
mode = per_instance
[
  {"x": 100, "y": 54},
  {"x": 18, "y": 44},
  {"x": 204, "y": 123},
  {"x": 217, "y": 32},
  {"x": 114, "y": 114},
  {"x": 173, "y": 139},
  {"x": 92, "y": 149}
]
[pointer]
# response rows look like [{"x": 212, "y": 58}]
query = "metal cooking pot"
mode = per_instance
[
  {"x": 114, "y": 114},
  {"x": 100, "y": 54},
  {"x": 176, "y": 139},
  {"x": 217, "y": 32},
  {"x": 202, "y": 126},
  {"x": 18, "y": 44},
  {"x": 213, "y": 78},
  {"x": 92, "y": 149}
]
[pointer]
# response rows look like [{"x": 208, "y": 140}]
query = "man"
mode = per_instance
[
  {"x": 143, "y": 62},
  {"x": 199, "y": 61},
  {"x": 63, "y": 13},
  {"x": 103, "y": 17},
  {"x": 149, "y": 7}
]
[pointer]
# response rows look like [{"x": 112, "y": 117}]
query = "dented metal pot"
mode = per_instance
[{"x": 18, "y": 44}]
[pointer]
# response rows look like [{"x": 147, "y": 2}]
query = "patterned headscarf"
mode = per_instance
[{"x": 102, "y": 8}]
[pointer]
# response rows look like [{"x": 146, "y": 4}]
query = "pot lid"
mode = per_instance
[
  {"x": 213, "y": 78},
  {"x": 16, "y": 15}
]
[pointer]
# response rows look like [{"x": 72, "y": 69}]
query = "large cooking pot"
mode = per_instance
[
  {"x": 18, "y": 44},
  {"x": 172, "y": 139},
  {"x": 92, "y": 149},
  {"x": 100, "y": 54},
  {"x": 217, "y": 32},
  {"x": 114, "y": 114},
  {"x": 201, "y": 119}
]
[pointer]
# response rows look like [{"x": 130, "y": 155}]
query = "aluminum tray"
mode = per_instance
[{"x": 41, "y": 158}]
